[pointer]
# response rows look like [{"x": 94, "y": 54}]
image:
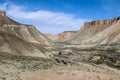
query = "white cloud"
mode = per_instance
[
  {"x": 56, "y": 20},
  {"x": 49, "y": 17}
]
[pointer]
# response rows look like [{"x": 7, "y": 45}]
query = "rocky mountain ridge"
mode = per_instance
[{"x": 98, "y": 32}]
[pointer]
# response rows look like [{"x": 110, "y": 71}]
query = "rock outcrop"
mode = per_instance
[
  {"x": 61, "y": 36},
  {"x": 98, "y": 32},
  {"x": 17, "y": 38},
  {"x": 2, "y": 13}
]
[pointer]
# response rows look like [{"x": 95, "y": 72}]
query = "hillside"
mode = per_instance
[
  {"x": 26, "y": 32},
  {"x": 61, "y": 36},
  {"x": 98, "y": 32},
  {"x": 21, "y": 39}
]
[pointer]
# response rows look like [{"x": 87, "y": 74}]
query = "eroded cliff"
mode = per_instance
[{"x": 98, "y": 32}]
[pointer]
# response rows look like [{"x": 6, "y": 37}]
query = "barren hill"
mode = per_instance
[
  {"x": 26, "y": 32},
  {"x": 15, "y": 45},
  {"x": 21, "y": 39},
  {"x": 98, "y": 32}
]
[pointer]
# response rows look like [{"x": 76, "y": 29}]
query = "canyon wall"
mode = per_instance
[{"x": 98, "y": 32}]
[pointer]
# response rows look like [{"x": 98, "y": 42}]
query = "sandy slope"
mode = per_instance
[
  {"x": 64, "y": 72},
  {"x": 82, "y": 72}
]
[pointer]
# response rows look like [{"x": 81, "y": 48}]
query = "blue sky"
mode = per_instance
[{"x": 55, "y": 16}]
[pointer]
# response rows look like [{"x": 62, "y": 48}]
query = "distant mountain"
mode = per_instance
[
  {"x": 20, "y": 38},
  {"x": 98, "y": 32},
  {"x": 61, "y": 36}
]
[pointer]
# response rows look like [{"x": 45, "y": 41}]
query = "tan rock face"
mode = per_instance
[
  {"x": 2, "y": 13},
  {"x": 99, "y": 22},
  {"x": 4, "y": 20},
  {"x": 61, "y": 36},
  {"x": 104, "y": 23},
  {"x": 100, "y": 31}
]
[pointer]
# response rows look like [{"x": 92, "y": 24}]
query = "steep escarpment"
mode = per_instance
[
  {"x": 61, "y": 36},
  {"x": 21, "y": 39},
  {"x": 98, "y": 32}
]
